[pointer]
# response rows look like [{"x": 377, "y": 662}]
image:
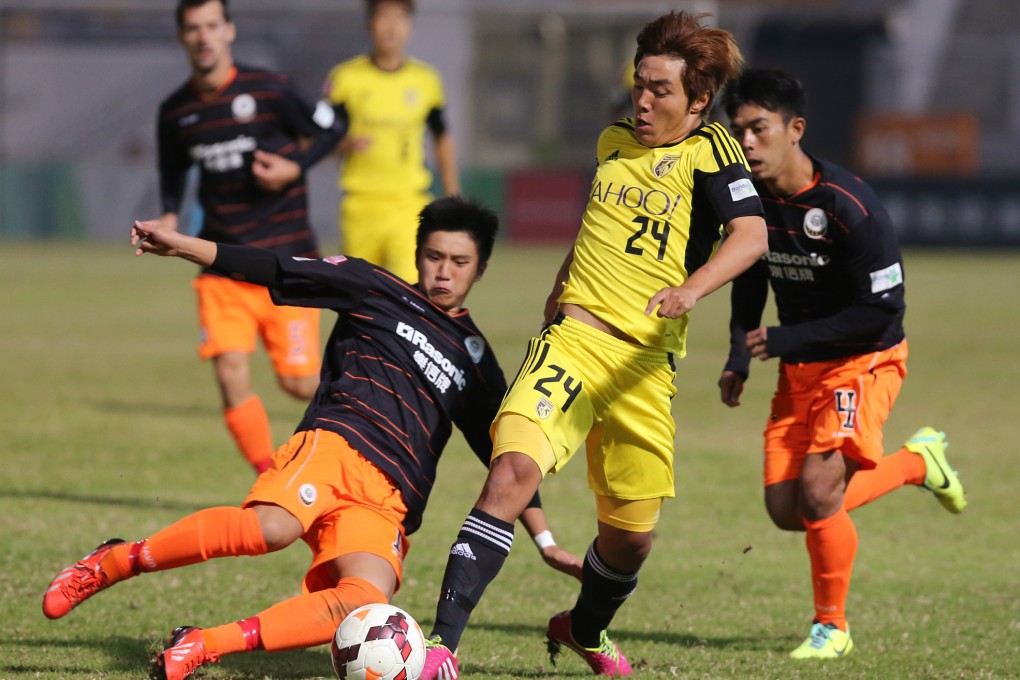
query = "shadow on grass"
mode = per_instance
[
  {"x": 123, "y": 501},
  {"x": 570, "y": 666},
  {"x": 175, "y": 410},
  {"x": 621, "y": 636},
  {"x": 134, "y": 656}
]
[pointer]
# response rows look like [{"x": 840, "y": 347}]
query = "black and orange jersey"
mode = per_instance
[
  {"x": 397, "y": 371},
  {"x": 835, "y": 269},
  {"x": 219, "y": 131}
]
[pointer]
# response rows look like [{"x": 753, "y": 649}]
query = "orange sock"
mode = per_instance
[
  {"x": 249, "y": 425},
  {"x": 831, "y": 545},
  {"x": 308, "y": 620},
  {"x": 893, "y": 471},
  {"x": 215, "y": 532}
]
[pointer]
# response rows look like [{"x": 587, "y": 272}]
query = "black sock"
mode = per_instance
[
  {"x": 475, "y": 558},
  {"x": 603, "y": 590}
]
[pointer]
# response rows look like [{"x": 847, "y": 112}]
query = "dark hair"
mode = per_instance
[
  {"x": 710, "y": 55},
  {"x": 372, "y": 5},
  {"x": 184, "y": 5},
  {"x": 453, "y": 213},
  {"x": 771, "y": 89}
]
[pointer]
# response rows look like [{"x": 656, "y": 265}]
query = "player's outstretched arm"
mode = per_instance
[
  {"x": 747, "y": 241},
  {"x": 152, "y": 236},
  {"x": 556, "y": 557}
]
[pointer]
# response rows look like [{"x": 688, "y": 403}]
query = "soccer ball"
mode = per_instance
[{"x": 378, "y": 642}]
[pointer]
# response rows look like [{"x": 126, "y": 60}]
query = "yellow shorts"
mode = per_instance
[
  {"x": 382, "y": 230},
  {"x": 580, "y": 385},
  {"x": 344, "y": 503},
  {"x": 836, "y": 405},
  {"x": 231, "y": 314}
]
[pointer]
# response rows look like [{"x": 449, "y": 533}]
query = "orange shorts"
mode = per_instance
[
  {"x": 344, "y": 503},
  {"x": 231, "y": 314},
  {"x": 832, "y": 406}
]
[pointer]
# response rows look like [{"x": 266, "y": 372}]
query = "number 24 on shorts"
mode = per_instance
[{"x": 570, "y": 385}]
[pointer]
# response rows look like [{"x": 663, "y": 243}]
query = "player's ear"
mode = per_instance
[
  {"x": 699, "y": 103},
  {"x": 481, "y": 270},
  {"x": 797, "y": 126}
]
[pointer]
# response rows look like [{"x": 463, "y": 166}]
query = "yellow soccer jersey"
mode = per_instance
[
  {"x": 654, "y": 215},
  {"x": 390, "y": 110}
]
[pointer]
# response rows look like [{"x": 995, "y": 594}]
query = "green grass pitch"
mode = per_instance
[{"x": 110, "y": 427}]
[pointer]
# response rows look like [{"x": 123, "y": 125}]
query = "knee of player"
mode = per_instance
[
  {"x": 279, "y": 527},
  {"x": 512, "y": 481},
  {"x": 301, "y": 388}
]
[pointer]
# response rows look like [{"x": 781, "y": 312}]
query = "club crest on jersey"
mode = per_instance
[
  {"x": 544, "y": 408},
  {"x": 243, "y": 108},
  {"x": 665, "y": 164},
  {"x": 411, "y": 96},
  {"x": 475, "y": 346},
  {"x": 816, "y": 224},
  {"x": 307, "y": 494}
]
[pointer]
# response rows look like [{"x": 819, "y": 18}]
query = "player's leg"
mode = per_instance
[
  {"x": 486, "y": 536},
  {"x": 630, "y": 469},
  {"x": 354, "y": 529},
  {"x": 291, "y": 338},
  {"x": 228, "y": 331},
  {"x": 609, "y": 577},
  {"x": 543, "y": 420},
  {"x": 881, "y": 383},
  {"x": 333, "y": 589},
  {"x": 204, "y": 535},
  {"x": 831, "y": 540},
  {"x": 845, "y": 417}
]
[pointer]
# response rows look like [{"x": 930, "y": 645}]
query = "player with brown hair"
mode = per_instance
[
  {"x": 601, "y": 372},
  {"x": 836, "y": 272}
]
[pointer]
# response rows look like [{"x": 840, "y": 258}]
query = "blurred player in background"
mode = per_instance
[
  {"x": 403, "y": 364},
  {"x": 835, "y": 269},
  {"x": 601, "y": 373},
  {"x": 390, "y": 100},
  {"x": 248, "y": 133}
]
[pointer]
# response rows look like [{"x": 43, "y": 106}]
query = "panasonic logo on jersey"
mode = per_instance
[
  {"x": 420, "y": 340},
  {"x": 812, "y": 260}
]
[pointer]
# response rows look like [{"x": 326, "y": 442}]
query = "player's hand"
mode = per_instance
[
  {"x": 672, "y": 302},
  {"x": 152, "y": 236},
  {"x": 562, "y": 561},
  {"x": 273, "y": 172},
  {"x": 731, "y": 386},
  {"x": 756, "y": 343}
]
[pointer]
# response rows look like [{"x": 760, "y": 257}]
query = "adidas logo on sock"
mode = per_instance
[{"x": 463, "y": 550}]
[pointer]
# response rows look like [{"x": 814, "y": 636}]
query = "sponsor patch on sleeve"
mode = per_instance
[
  {"x": 887, "y": 278},
  {"x": 324, "y": 115},
  {"x": 741, "y": 189},
  {"x": 335, "y": 259}
]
